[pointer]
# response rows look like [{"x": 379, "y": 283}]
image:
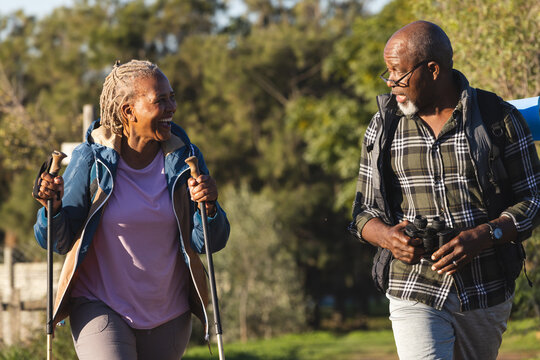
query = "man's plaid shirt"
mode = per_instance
[{"x": 437, "y": 177}]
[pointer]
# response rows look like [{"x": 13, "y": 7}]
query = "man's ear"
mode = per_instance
[{"x": 435, "y": 69}]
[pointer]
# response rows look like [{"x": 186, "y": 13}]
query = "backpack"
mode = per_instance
[{"x": 511, "y": 256}]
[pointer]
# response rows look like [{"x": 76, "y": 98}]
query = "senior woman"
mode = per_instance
[{"x": 126, "y": 218}]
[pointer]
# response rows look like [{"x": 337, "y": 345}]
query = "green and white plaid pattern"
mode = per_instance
[{"x": 437, "y": 177}]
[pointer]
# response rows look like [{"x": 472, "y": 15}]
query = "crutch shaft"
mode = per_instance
[
  {"x": 194, "y": 168},
  {"x": 57, "y": 157}
]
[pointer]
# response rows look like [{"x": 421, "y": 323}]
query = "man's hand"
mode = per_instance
[
  {"x": 404, "y": 248},
  {"x": 469, "y": 243},
  {"x": 461, "y": 249}
]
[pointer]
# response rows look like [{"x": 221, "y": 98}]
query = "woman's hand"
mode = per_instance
[
  {"x": 51, "y": 187},
  {"x": 204, "y": 188}
]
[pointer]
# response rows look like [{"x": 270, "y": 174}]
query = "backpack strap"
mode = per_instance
[
  {"x": 511, "y": 256},
  {"x": 492, "y": 111},
  {"x": 389, "y": 121}
]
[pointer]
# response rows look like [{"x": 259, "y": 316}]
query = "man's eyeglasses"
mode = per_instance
[{"x": 398, "y": 82}]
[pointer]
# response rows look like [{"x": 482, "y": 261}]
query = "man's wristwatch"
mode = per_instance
[{"x": 496, "y": 233}]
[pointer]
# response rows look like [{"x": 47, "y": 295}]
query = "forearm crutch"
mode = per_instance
[
  {"x": 57, "y": 157},
  {"x": 194, "y": 168}
]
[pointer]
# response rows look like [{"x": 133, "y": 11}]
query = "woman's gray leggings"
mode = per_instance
[{"x": 99, "y": 333}]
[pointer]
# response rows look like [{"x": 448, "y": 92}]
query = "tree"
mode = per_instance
[
  {"x": 257, "y": 274},
  {"x": 237, "y": 91},
  {"x": 495, "y": 42},
  {"x": 333, "y": 125},
  {"x": 241, "y": 91}
]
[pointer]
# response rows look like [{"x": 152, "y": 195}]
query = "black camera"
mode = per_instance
[{"x": 434, "y": 236}]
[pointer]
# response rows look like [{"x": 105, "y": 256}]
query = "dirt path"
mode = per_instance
[{"x": 521, "y": 355}]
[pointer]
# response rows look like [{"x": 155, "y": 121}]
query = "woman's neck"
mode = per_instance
[{"x": 137, "y": 154}]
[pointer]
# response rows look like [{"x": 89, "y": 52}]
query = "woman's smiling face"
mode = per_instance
[{"x": 152, "y": 108}]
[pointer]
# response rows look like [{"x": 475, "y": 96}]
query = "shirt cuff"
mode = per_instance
[
  {"x": 360, "y": 221},
  {"x": 210, "y": 218}
]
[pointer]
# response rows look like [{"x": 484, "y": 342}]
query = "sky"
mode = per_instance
[
  {"x": 43, "y": 7},
  {"x": 31, "y": 7}
]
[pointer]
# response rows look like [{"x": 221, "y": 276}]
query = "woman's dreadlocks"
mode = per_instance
[{"x": 119, "y": 87}]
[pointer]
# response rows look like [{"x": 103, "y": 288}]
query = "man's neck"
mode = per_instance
[{"x": 438, "y": 114}]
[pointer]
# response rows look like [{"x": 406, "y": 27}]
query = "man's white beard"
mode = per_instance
[{"x": 408, "y": 108}]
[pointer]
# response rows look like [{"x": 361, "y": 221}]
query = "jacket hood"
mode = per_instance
[{"x": 98, "y": 134}]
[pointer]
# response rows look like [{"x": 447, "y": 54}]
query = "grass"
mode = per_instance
[
  {"x": 314, "y": 346},
  {"x": 522, "y": 339},
  {"x": 520, "y": 342}
]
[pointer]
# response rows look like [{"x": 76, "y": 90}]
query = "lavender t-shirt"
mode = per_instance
[{"x": 133, "y": 265}]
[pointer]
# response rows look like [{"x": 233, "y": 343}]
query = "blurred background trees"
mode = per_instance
[{"x": 277, "y": 98}]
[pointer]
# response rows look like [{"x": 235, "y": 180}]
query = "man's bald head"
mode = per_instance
[{"x": 424, "y": 41}]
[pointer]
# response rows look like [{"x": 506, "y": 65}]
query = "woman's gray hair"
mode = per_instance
[{"x": 119, "y": 87}]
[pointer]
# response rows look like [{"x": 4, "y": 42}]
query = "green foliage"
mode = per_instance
[
  {"x": 236, "y": 91},
  {"x": 357, "y": 58},
  {"x": 332, "y": 131},
  {"x": 236, "y": 87},
  {"x": 278, "y": 100},
  {"x": 333, "y": 125},
  {"x": 260, "y": 283},
  {"x": 522, "y": 337},
  {"x": 18, "y": 213},
  {"x": 519, "y": 342},
  {"x": 495, "y": 42},
  {"x": 233, "y": 86},
  {"x": 37, "y": 348}
]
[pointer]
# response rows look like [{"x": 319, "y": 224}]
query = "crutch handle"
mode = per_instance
[
  {"x": 57, "y": 157},
  {"x": 193, "y": 163}
]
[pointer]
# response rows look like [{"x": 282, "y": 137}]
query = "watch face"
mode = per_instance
[{"x": 497, "y": 233}]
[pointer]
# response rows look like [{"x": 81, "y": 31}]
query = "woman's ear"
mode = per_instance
[
  {"x": 127, "y": 112},
  {"x": 126, "y": 115}
]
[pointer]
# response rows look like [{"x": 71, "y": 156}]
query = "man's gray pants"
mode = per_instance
[{"x": 422, "y": 332}]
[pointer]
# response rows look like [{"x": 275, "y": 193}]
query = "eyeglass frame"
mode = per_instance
[{"x": 397, "y": 82}]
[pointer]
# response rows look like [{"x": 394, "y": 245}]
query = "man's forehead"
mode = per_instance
[{"x": 396, "y": 47}]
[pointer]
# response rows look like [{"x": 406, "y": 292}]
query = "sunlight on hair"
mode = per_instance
[{"x": 119, "y": 87}]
